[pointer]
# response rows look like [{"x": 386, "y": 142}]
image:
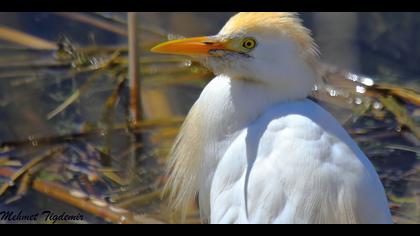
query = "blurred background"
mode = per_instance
[{"x": 68, "y": 144}]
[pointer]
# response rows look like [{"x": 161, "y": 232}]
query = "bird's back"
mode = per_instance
[{"x": 296, "y": 164}]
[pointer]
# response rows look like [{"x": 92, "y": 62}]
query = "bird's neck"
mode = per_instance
[{"x": 229, "y": 105}]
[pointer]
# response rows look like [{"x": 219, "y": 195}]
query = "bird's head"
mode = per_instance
[{"x": 271, "y": 48}]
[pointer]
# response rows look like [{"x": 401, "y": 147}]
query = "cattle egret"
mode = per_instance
[{"x": 254, "y": 148}]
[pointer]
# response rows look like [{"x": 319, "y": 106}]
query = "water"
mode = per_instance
[{"x": 375, "y": 47}]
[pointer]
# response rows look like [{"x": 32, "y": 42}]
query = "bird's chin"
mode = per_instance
[
  {"x": 226, "y": 63},
  {"x": 214, "y": 64}
]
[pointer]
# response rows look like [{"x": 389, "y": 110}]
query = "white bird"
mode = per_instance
[{"x": 253, "y": 147}]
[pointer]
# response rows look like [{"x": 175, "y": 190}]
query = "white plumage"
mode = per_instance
[{"x": 254, "y": 148}]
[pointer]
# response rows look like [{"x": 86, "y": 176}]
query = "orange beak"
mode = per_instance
[{"x": 199, "y": 46}]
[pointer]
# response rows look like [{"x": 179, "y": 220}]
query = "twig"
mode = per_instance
[
  {"x": 116, "y": 178},
  {"x": 127, "y": 194},
  {"x": 28, "y": 166},
  {"x": 404, "y": 148},
  {"x": 141, "y": 199},
  {"x": 56, "y": 139},
  {"x": 24, "y": 39},
  {"x": 25, "y": 183},
  {"x": 75, "y": 95},
  {"x": 400, "y": 113}
]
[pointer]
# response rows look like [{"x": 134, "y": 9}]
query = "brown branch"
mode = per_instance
[
  {"x": 134, "y": 83},
  {"x": 134, "y": 70}
]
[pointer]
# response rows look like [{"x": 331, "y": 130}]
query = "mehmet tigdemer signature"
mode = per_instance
[{"x": 11, "y": 216}]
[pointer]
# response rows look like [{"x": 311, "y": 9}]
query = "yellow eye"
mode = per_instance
[{"x": 249, "y": 43}]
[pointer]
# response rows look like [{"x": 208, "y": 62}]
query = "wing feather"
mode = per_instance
[{"x": 296, "y": 166}]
